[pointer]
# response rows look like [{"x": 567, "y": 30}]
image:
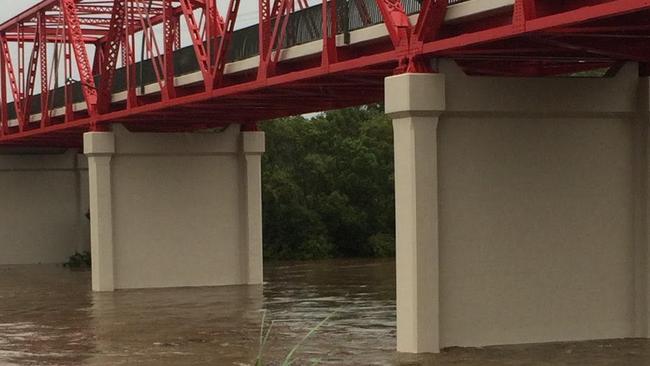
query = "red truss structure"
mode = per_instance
[{"x": 180, "y": 65}]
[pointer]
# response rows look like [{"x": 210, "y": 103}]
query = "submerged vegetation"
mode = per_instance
[
  {"x": 78, "y": 260},
  {"x": 290, "y": 358},
  {"x": 328, "y": 186}
]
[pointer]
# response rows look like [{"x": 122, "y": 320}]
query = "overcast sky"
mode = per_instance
[
  {"x": 12, "y": 8},
  {"x": 247, "y": 11}
]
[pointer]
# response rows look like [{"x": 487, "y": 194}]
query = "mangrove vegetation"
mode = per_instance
[{"x": 328, "y": 186}]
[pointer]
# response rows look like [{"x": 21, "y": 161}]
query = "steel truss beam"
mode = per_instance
[
  {"x": 202, "y": 39},
  {"x": 26, "y": 97},
  {"x": 531, "y": 38},
  {"x": 75, "y": 37},
  {"x": 408, "y": 39},
  {"x": 171, "y": 36},
  {"x": 45, "y": 86},
  {"x": 224, "y": 44},
  {"x": 110, "y": 52},
  {"x": 8, "y": 70}
]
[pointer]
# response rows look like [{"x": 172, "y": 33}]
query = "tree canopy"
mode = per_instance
[{"x": 328, "y": 186}]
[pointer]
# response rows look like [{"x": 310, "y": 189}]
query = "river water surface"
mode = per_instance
[{"x": 49, "y": 316}]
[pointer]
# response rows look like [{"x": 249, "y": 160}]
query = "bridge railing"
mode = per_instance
[{"x": 303, "y": 26}]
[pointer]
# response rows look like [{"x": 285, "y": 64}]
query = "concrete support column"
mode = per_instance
[
  {"x": 253, "y": 146},
  {"x": 42, "y": 221},
  {"x": 641, "y": 209},
  {"x": 83, "y": 205},
  {"x": 415, "y": 102},
  {"x": 175, "y": 209},
  {"x": 99, "y": 147}
]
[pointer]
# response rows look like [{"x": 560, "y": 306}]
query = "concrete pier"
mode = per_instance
[
  {"x": 415, "y": 101},
  {"x": 44, "y": 202},
  {"x": 521, "y": 208},
  {"x": 175, "y": 209}
]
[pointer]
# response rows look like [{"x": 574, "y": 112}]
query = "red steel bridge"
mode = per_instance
[{"x": 71, "y": 66}]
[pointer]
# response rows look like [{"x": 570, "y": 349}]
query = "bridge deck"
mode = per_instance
[{"x": 493, "y": 37}]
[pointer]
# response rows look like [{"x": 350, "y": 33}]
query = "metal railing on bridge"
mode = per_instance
[{"x": 303, "y": 26}]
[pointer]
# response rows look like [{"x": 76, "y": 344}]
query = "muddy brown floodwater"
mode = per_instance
[{"x": 49, "y": 316}]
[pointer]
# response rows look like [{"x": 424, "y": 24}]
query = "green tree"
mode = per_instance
[{"x": 328, "y": 186}]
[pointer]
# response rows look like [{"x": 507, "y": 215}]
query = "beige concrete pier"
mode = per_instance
[
  {"x": 521, "y": 208},
  {"x": 175, "y": 209}
]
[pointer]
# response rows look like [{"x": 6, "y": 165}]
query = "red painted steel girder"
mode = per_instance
[
  {"x": 75, "y": 39},
  {"x": 531, "y": 38},
  {"x": 110, "y": 52}
]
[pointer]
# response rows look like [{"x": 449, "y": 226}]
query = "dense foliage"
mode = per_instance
[{"x": 328, "y": 186}]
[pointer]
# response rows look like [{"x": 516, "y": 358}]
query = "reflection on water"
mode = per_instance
[{"x": 49, "y": 316}]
